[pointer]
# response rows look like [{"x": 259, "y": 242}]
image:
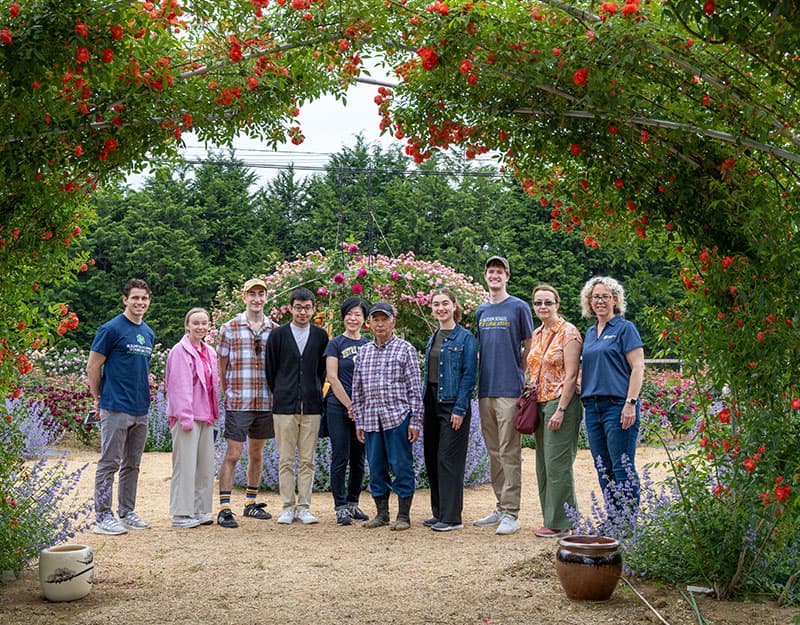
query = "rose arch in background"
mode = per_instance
[
  {"x": 669, "y": 125},
  {"x": 403, "y": 281}
]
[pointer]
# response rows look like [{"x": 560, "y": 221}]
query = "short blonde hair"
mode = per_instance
[{"x": 612, "y": 285}]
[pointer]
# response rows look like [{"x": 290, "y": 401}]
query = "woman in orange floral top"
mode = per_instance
[{"x": 554, "y": 361}]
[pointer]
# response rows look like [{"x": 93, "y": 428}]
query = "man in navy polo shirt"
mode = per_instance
[{"x": 117, "y": 370}]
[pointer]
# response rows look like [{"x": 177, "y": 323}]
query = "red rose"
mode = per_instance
[
  {"x": 108, "y": 55},
  {"x": 82, "y": 55},
  {"x": 796, "y": 403},
  {"x": 575, "y": 149},
  {"x": 708, "y": 7},
  {"x": 116, "y": 32},
  {"x": 6, "y": 37},
  {"x": 749, "y": 465},
  {"x": 13, "y": 10},
  {"x": 429, "y": 57},
  {"x": 580, "y": 76},
  {"x": 724, "y": 416}
]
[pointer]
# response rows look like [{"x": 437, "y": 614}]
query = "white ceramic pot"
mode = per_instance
[{"x": 66, "y": 572}]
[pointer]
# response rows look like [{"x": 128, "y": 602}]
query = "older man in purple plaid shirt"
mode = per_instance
[{"x": 388, "y": 410}]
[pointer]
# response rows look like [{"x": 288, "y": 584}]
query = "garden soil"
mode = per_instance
[{"x": 325, "y": 575}]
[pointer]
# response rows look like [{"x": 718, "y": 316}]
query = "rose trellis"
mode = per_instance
[{"x": 403, "y": 280}]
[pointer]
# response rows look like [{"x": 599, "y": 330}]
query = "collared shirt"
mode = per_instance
[
  {"x": 387, "y": 386},
  {"x": 245, "y": 378},
  {"x": 551, "y": 381},
  {"x": 606, "y": 370}
]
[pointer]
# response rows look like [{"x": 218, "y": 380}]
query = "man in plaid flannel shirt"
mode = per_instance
[{"x": 248, "y": 404}]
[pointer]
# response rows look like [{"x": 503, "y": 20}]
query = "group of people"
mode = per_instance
[{"x": 377, "y": 403}]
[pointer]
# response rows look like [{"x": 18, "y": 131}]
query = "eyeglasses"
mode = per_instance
[
  {"x": 546, "y": 303},
  {"x": 602, "y": 298},
  {"x": 306, "y": 308}
]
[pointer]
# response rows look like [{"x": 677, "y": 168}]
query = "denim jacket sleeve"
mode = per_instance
[{"x": 469, "y": 373}]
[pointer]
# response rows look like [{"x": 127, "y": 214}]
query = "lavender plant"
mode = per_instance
[
  {"x": 159, "y": 437},
  {"x": 33, "y": 418},
  {"x": 39, "y": 506},
  {"x": 477, "y": 465}
]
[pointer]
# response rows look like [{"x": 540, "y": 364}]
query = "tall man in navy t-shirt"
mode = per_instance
[
  {"x": 118, "y": 366},
  {"x": 505, "y": 328}
]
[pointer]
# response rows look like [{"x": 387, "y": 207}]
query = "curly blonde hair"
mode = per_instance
[{"x": 612, "y": 285}]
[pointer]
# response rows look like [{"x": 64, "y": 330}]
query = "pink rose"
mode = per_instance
[{"x": 339, "y": 278}]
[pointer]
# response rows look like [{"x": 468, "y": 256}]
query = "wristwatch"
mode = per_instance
[
  {"x": 560, "y": 409},
  {"x": 632, "y": 400}
]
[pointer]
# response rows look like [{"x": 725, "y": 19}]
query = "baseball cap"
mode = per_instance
[
  {"x": 494, "y": 260},
  {"x": 253, "y": 282},
  {"x": 382, "y": 307}
]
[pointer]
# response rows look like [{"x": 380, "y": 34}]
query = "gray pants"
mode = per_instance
[{"x": 122, "y": 439}]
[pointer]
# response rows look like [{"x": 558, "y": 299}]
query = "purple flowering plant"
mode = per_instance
[{"x": 39, "y": 506}]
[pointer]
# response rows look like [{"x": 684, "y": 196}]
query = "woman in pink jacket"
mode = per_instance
[{"x": 192, "y": 380}]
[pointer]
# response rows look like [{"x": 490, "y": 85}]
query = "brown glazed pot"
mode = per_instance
[{"x": 588, "y": 567}]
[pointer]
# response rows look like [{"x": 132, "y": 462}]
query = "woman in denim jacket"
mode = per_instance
[{"x": 451, "y": 363}]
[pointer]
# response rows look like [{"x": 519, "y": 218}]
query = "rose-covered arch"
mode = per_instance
[{"x": 667, "y": 124}]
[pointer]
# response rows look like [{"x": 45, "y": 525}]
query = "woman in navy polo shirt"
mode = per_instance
[{"x": 613, "y": 371}]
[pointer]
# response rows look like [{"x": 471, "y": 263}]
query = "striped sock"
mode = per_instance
[
  {"x": 250, "y": 495},
  {"x": 224, "y": 500}
]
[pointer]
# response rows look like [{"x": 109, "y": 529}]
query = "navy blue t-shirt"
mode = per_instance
[
  {"x": 605, "y": 368},
  {"x": 502, "y": 328},
  {"x": 344, "y": 349},
  {"x": 124, "y": 386}
]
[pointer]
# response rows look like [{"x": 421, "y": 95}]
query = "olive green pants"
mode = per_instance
[{"x": 555, "y": 455}]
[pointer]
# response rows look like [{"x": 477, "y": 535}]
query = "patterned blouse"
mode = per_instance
[{"x": 551, "y": 382}]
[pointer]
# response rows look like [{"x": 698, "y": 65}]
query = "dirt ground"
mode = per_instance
[{"x": 324, "y": 575}]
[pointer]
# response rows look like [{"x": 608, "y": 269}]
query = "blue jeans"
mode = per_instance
[
  {"x": 346, "y": 450},
  {"x": 391, "y": 449},
  {"x": 609, "y": 443}
]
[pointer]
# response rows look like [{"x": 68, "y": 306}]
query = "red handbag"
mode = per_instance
[{"x": 526, "y": 418}]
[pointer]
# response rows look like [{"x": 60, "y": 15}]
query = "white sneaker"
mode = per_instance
[
  {"x": 132, "y": 521},
  {"x": 184, "y": 522},
  {"x": 305, "y": 517},
  {"x": 508, "y": 525},
  {"x": 492, "y": 519},
  {"x": 205, "y": 519},
  {"x": 109, "y": 526},
  {"x": 286, "y": 517}
]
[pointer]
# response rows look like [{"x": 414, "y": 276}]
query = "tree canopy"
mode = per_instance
[{"x": 664, "y": 124}]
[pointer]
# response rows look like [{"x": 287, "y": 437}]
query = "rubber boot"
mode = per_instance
[
  {"x": 381, "y": 517},
  {"x": 403, "y": 521}
]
